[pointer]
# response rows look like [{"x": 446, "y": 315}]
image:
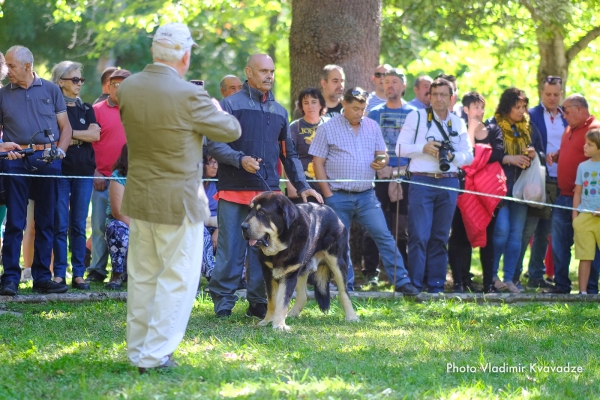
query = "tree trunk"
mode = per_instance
[
  {"x": 339, "y": 32},
  {"x": 553, "y": 56}
]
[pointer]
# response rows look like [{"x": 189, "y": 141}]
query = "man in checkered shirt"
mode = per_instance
[{"x": 346, "y": 147}]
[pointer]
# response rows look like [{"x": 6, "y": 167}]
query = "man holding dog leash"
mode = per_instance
[
  {"x": 33, "y": 114},
  {"x": 248, "y": 167}
]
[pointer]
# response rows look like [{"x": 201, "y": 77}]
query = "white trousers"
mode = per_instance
[{"x": 163, "y": 266}]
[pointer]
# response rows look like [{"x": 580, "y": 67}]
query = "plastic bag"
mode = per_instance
[{"x": 531, "y": 184}]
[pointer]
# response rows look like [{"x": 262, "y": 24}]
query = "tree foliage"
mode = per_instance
[{"x": 489, "y": 45}]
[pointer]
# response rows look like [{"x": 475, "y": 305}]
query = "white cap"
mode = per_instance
[{"x": 174, "y": 36}]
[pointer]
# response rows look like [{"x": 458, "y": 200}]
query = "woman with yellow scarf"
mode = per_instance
[{"x": 522, "y": 142}]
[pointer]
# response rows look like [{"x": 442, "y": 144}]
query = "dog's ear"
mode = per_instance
[{"x": 290, "y": 213}]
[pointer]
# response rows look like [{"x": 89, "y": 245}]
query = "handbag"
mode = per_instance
[
  {"x": 551, "y": 194},
  {"x": 531, "y": 184}
]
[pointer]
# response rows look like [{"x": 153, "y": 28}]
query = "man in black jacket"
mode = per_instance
[{"x": 248, "y": 167}]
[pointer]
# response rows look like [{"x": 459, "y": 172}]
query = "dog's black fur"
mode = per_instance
[{"x": 296, "y": 240}]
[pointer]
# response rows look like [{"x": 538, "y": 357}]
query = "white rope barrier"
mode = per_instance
[{"x": 399, "y": 180}]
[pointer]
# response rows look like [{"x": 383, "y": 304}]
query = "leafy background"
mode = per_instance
[{"x": 488, "y": 45}]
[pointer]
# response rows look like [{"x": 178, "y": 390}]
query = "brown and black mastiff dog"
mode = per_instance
[{"x": 296, "y": 240}]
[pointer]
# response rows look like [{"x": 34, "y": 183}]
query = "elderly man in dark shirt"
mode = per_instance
[{"x": 32, "y": 112}]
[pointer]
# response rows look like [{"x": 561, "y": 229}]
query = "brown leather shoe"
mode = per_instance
[{"x": 164, "y": 367}]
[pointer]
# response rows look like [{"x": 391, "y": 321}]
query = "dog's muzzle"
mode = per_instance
[{"x": 264, "y": 241}]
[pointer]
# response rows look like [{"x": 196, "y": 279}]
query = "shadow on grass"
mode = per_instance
[{"x": 399, "y": 349}]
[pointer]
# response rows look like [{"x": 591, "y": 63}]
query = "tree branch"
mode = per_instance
[
  {"x": 582, "y": 43},
  {"x": 530, "y": 8}
]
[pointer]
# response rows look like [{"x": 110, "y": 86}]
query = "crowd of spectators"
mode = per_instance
[{"x": 414, "y": 229}]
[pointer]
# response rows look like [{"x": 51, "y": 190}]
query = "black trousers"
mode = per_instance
[
  {"x": 460, "y": 251},
  {"x": 370, "y": 251}
]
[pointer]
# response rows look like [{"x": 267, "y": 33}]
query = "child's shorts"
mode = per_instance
[{"x": 587, "y": 235}]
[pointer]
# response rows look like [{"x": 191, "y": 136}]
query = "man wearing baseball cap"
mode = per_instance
[
  {"x": 165, "y": 119},
  {"x": 107, "y": 150}
]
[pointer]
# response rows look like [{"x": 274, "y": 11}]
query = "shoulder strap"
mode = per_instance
[{"x": 415, "y": 140}]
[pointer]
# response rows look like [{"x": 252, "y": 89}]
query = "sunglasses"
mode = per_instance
[
  {"x": 74, "y": 80},
  {"x": 115, "y": 84},
  {"x": 359, "y": 93},
  {"x": 553, "y": 79},
  {"x": 379, "y": 74}
]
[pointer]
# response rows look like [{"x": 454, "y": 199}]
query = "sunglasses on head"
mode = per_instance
[
  {"x": 74, "y": 80},
  {"x": 359, "y": 93},
  {"x": 553, "y": 79}
]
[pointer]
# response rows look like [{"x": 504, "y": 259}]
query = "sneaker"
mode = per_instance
[
  {"x": 50, "y": 287},
  {"x": 371, "y": 280},
  {"x": 116, "y": 281},
  {"x": 26, "y": 275},
  {"x": 257, "y": 310},
  {"x": 539, "y": 284},
  {"x": 519, "y": 286},
  {"x": 498, "y": 283},
  {"x": 95, "y": 276},
  {"x": 9, "y": 289},
  {"x": 512, "y": 288},
  {"x": 407, "y": 290}
]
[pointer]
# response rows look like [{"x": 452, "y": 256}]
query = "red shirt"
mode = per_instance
[
  {"x": 112, "y": 136},
  {"x": 571, "y": 155}
]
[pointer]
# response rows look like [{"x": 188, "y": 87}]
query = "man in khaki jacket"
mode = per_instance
[{"x": 165, "y": 119}]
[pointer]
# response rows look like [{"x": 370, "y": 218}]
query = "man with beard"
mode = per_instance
[{"x": 332, "y": 82}]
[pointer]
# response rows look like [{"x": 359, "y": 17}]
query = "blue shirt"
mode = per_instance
[
  {"x": 391, "y": 121},
  {"x": 25, "y": 112},
  {"x": 416, "y": 103}
]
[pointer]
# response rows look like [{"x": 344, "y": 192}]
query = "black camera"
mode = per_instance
[{"x": 443, "y": 150}]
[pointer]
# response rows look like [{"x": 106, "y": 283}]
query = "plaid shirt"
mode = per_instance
[{"x": 348, "y": 155}]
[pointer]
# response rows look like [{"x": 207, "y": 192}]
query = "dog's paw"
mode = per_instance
[
  {"x": 283, "y": 328},
  {"x": 352, "y": 318},
  {"x": 293, "y": 312}
]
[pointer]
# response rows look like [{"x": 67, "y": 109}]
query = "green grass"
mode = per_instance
[{"x": 400, "y": 349}]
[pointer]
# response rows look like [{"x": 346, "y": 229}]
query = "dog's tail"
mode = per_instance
[{"x": 322, "y": 295}]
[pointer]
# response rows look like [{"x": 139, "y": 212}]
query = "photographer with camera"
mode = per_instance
[
  {"x": 32, "y": 114},
  {"x": 437, "y": 143}
]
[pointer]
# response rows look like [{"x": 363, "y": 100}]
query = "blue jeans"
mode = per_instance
[
  {"x": 70, "y": 218},
  {"x": 540, "y": 230},
  {"x": 99, "y": 248},
  {"x": 231, "y": 255},
  {"x": 430, "y": 213},
  {"x": 562, "y": 240},
  {"x": 366, "y": 209},
  {"x": 44, "y": 193},
  {"x": 507, "y": 237}
]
